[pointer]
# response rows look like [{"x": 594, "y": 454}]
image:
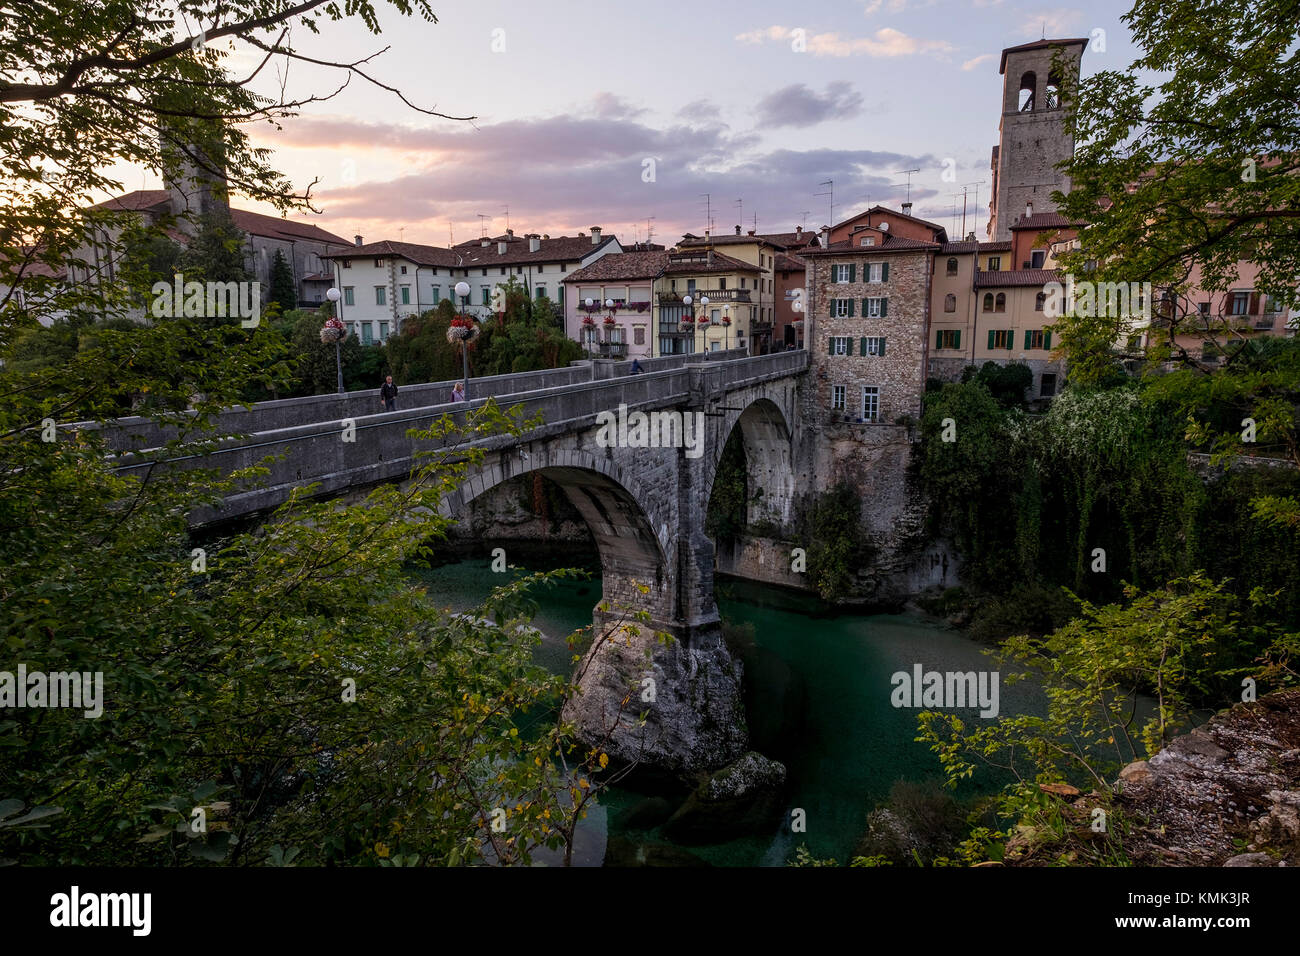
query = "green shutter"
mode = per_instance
[
  {"x": 882, "y": 347},
  {"x": 938, "y": 340},
  {"x": 990, "y": 338},
  {"x": 848, "y": 345},
  {"x": 865, "y": 310},
  {"x": 956, "y": 341},
  {"x": 1047, "y": 338},
  {"x": 832, "y": 348},
  {"x": 853, "y": 273},
  {"x": 884, "y": 308},
  {"x": 862, "y": 345},
  {"x": 1029, "y": 338},
  {"x": 850, "y": 308},
  {"x": 1011, "y": 339},
  {"x": 884, "y": 272}
]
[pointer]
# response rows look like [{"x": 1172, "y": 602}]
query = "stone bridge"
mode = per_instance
[{"x": 645, "y": 507}]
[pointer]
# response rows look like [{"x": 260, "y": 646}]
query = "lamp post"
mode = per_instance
[
  {"x": 797, "y": 306},
  {"x": 588, "y": 326},
  {"x": 726, "y": 328},
  {"x": 464, "y": 331},
  {"x": 335, "y": 330},
  {"x": 704, "y": 304}
]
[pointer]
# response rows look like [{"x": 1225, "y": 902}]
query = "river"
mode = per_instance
[{"x": 821, "y": 704}]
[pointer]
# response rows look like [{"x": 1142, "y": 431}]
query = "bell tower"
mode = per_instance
[{"x": 1032, "y": 137}]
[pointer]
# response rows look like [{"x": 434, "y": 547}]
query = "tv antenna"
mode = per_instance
[
  {"x": 649, "y": 230},
  {"x": 804, "y": 222},
  {"x": 708, "y": 214},
  {"x": 964, "y": 187},
  {"x": 507, "y": 215},
  {"x": 830, "y": 192},
  {"x": 909, "y": 180},
  {"x": 482, "y": 224},
  {"x": 740, "y": 211}
]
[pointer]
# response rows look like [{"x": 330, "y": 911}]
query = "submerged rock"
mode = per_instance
[{"x": 742, "y": 798}]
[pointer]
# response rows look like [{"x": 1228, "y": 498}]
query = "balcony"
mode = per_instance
[
  {"x": 613, "y": 350},
  {"x": 715, "y": 295}
]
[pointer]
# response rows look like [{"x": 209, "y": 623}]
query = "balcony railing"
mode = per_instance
[{"x": 715, "y": 295}]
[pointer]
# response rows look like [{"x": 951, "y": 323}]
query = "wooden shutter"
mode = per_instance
[
  {"x": 862, "y": 345},
  {"x": 832, "y": 348},
  {"x": 884, "y": 272},
  {"x": 882, "y": 346},
  {"x": 850, "y": 308},
  {"x": 938, "y": 340},
  {"x": 990, "y": 338},
  {"x": 848, "y": 345},
  {"x": 884, "y": 308},
  {"x": 1254, "y": 304},
  {"x": 1029, "y": 338},
  {"x": 1011, "y": 339},
  {"x": 1047, "y": 338},
  {"x": 853, "y": 273},
  {"x": 866, "y": 311},
  {"x": 956, "y": 339}
]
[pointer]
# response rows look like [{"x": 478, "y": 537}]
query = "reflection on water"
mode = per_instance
[{"x": 819, "y": 702}]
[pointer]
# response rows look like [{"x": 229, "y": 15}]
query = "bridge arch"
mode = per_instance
[{"x": 769, "y": 459}]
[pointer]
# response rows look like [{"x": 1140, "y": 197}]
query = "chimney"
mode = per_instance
[
  {"x": 798, "y": 230},
  {"x": 485, "y": 243},
  {"x": 751, "y": 232},
  {"x": 907, "y": 209},
  {"x": 358, "y": 240},
  {"x": 534, "y": 243},
  {"x": 501, "y": 248},
  {"x": 510, "y": 232},
  {"x": 826, "y": 236},
  {"x": 737, "y": 230},
  {"x": 595, "y": 235},
  {"x": 1029, "y": 209}
]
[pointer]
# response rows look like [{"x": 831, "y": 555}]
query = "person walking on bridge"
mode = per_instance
[
  {"x": 458, "y": 392},
  {"x": 388, "y": 395}
]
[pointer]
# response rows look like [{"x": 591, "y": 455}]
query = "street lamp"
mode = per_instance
[
  {"x": 463, "y": 330},
  {"x": 704, "y": 304},
  {"x": 335, "y": 331},
  {"x": 797, "y": 307}
]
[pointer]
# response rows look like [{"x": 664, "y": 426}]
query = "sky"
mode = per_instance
[{"x": 624, "y": 115}]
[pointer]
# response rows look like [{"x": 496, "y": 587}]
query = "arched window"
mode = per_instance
[
  {"x": 950, "y": 303},
  {"x": 1039, "y": 300},
  {"x": 1028, "y": 84},
  {"x": 1001, "y": 303},
  {"x": 952, "y": 266},
  {"x": 1052, "y": 96},
  {"x": 988, "y": 301}
]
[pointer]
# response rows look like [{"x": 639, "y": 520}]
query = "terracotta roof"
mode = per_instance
[
  {"x": 891, "y": 243},
  {"x": 785, "y": 262},
  {"x": 1002, "y": 246},
  {"x": 255, "y": 223},
  {"x": 791, "y": 240},
  {"x": 714, "y": 262},
  {"x": 893, "y": 212},
  {"x": 316, "y": 277},
  {"x": 34, "y": 267},
  {"x": 1046, "y": 220},
  {"x": 622, "y": 265},
  {"x": 1016, "y": 277},
  {"x": 691, "y": 242},
  {"x": 957, "y": 248},
  {"x": 420, "y": 255},
  {"x": 1039, "y": 45},
  {"x": 559, "y": 249}
]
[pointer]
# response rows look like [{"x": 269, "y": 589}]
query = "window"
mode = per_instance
[
  {"x": 383, "y": 331},
  {"x": 995, "y": 263},
  {"x": 638, "y": 335},
  {"x": 564, "y": 267},
  {"x": 988, "y": 302},
  {"x": 870, "y": 403},
  {"x": 1039, "y": 301},
  {"x": 541, "y": 292},
  {"x": 690, "y": 286},
  {"x": 841, "y": 274},
  {"x": 873, "y": 345},
  {"x": 715, "y": 316},
  {"x": 950, "y": 303},
  {"x": 435, "y": 270},
  {"x": 406, "y": 295},
  {"x": 503, "y": 270},
  {"x": 837, "y": 398},
  {"x": 348, "y": 298},
  {"x": 875, "y": 272},
  {"x": 1240, "y": 303},
  {"x": 381, "y": 295},
  {"x": 722, "y": 283},
  {"x": 1028, "y": 83},
  {"x": 841, "y": 345},
  {"x": 560, "y": 292},
  {"x": 947, "y": 339},
  {"x": 541, "y": 268},
  {"x": 1052, "y": 96},
  {"x": 403, "y": 270},
  {"x": 1037, "y": 258},
  {"x": 1047, "y": 385},
  {"x": 867, "y": 241},
  {"x": 1038, "y": 338},
  {"x": 437, "y": 294},
  {"x": 952, "y": 266},
  {"x": 1274, "y": 304},
  {"x": 379, "y": 263},
  {"x": 1001, "y": 339},
  {"x": 367, "y": 333},
  {"x": 352, "y": 328},
  {"x": 1000, "y": 303},
  {"x": 841, "y": 308},
  {"x": 875, "y": 308},
  {"x": 519, "y": 270},
  {"x": 742, "y": 282},
  {"x": 487, "y": 294},
  {"x": 347, "y": 263}
]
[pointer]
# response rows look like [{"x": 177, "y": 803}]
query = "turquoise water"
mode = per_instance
[{"x": 843, "y": 742}]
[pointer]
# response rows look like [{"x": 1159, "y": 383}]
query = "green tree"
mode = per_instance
[
  {"x": 282, "y": 291},
  {"x": 215, "y": 253}
]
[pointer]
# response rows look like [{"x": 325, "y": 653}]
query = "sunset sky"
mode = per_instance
[{"x": 579, "y": 95}]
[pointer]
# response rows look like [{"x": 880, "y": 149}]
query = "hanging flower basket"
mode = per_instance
[
  {"x": 609, "y": 321},
  {"x": 726, "y": 321},
  {"x": 462, "y": 329},
  {"x": 333, "y": 331},
  {"x": 588, "y": 321}
]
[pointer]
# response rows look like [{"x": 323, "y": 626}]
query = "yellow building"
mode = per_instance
[{"x": 706, "y": 301}]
